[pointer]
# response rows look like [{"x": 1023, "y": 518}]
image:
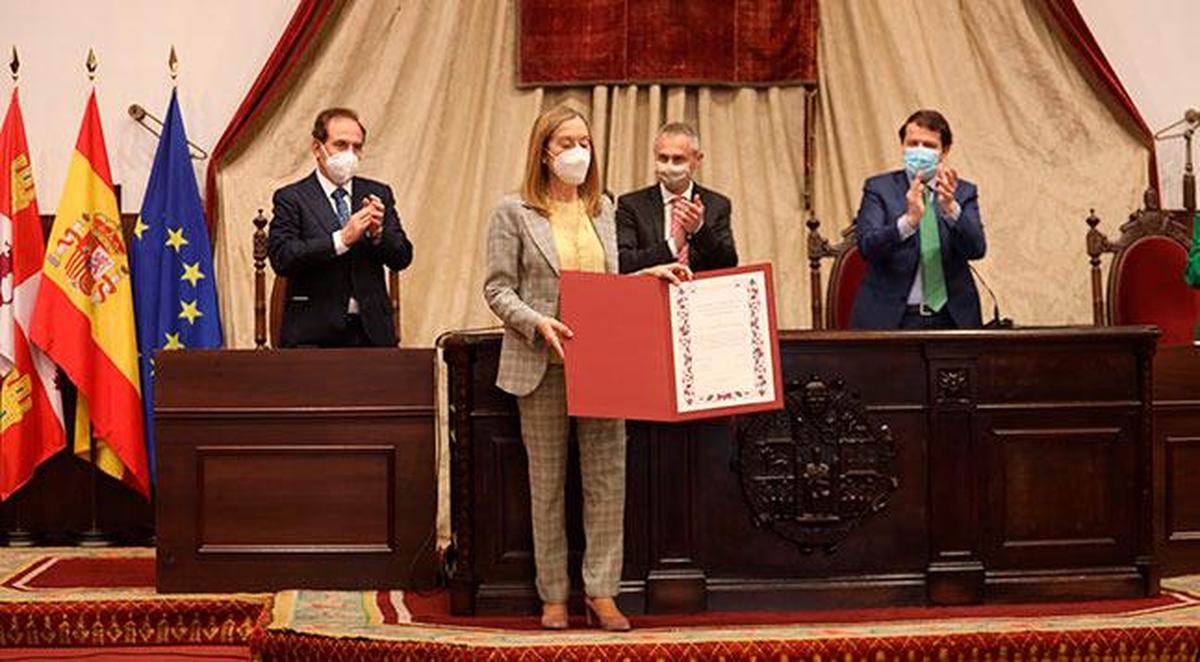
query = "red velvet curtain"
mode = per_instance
[
  {"x": 1075, "y": 30},
  {"x": 297, "y": 37},
  {"x": 731, "y": 42}
]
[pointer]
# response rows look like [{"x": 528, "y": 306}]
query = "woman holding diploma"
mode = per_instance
[{"x": 560, "y": 221}]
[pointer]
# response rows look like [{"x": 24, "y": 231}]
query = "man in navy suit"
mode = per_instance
[
  {"x": 331, "y": 235},
  {"x": 917, "y": 230}
]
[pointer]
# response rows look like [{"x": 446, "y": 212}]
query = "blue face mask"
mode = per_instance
[{"x": 920, "y": 159}]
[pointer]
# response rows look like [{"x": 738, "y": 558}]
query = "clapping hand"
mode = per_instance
[
  {"x": 374, "y": 228},
  {"x": 690, "y": 213},
  {"x": 946, "y": 183},
  {"x": 916, "y": 201},
  {"x": 359, "y": 223}
]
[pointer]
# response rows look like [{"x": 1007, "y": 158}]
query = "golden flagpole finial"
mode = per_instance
[
  {"x": 14, "y": 64},
  {"x": 91, "y": 64},
  {"x": 173, "y": 63}
]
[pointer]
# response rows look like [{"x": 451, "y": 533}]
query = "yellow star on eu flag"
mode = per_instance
[
  {"x": 173, "y": 342},
  {"x": 192, "y": 273},
  {"x": 189, "y": 311},
  {"x": 139, "y": 228},
  {"x": 175, "y": 239}
]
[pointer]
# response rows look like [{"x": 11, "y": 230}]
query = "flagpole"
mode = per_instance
[
  {"x": 18, "y": 535},
  {"x": 94, "y": 536},
  {"x": 173, "y": 68}
]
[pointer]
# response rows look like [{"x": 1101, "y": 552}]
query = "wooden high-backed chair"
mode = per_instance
[
  {"x": 844, "y": 278},
  {"x": 1145, "y": 279},
  {"x": 268, "y": 319}
]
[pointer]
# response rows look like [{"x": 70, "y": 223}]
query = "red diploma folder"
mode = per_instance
[{"x": 621, "y": 362}]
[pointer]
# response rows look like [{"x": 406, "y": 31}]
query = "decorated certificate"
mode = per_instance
[
  {"x": 646, "y": 350},
  {"x": 721, "y": 341}
]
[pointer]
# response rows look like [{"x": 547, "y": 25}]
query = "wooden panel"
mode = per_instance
[
  {"x": 511, "y": 505},
  {"x": 296, "y": 468},
  {"x": 902, "y": 364},
  {"x": 1176, "y": 425},
  {"x": 1175, "y": 370},
  {"x": 1059, "y": 490},
  {"x": 299, "y": 498},
  {"x": 1183, "y": 507},
  {"x": 1105, "y": 372},
  {"x": 324, "y": 380}
]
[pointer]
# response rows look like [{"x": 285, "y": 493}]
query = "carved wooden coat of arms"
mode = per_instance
[{"x": 814, "y": 470}]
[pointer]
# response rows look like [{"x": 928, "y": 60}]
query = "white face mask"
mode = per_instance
[
  {"x": 571, "y": 165},
  {"x": 674, "y": 176},
  {"x": 341, "y": 166}
]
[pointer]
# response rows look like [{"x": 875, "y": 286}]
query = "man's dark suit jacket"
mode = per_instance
[
  {"x": 892, "y": 263},
  {"x": 320, "y": 282},
  {"x": 641, "y": 239}
]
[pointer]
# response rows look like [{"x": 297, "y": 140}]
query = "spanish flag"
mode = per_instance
[
  {"x": 31, "y": 425},
  {"x": 84, "y": 313}
]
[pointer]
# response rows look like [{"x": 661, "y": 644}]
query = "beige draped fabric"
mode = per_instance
[
  {"x": 1029, "y": 129},
  {"x": 447, "y": 128}
]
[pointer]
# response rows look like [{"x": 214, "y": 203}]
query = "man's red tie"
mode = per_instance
[{"x": 678, "y": 233}]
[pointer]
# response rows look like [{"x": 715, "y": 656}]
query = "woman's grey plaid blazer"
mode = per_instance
[{"x": 522, "y": 285}]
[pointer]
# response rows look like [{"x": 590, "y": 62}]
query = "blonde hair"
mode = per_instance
[{"x": 535, "y": 189}]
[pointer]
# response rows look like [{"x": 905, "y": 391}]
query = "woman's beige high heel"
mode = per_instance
[{"x": 604, "y": 612}]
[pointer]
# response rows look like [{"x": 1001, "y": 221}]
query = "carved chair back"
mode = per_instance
[
  {"x": 1145, "y": 278},
  {"x": 831, "y": 309}
]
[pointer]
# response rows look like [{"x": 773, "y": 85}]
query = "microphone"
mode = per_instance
[
  {"x": 996, "y": 322},
  {"x": 1191, "y": 116}
]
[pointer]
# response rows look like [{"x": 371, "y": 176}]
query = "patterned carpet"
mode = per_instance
[
  {"x": 343, "y": 625},
  {"x": 70, "y": 597},
  {"x": 105, "y": 597}
]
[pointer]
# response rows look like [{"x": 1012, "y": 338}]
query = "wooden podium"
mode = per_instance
[
  {"x": 951, "y": 467},
  {"x": 295, "y": 468}
]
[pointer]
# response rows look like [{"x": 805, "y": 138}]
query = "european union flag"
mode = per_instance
[{"x": 174, "y": 294}]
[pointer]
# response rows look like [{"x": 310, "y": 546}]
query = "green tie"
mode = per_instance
[{"x": 933, "y": 281}]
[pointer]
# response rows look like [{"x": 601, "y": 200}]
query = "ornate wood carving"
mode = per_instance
[
  {"x": 816, "y": 469},
  {"x": 260, "y": 281},
  {"x": 953, "y": 385},
  {"x": 820, "y": 248}
]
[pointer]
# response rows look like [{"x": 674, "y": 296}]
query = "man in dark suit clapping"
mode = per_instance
[
  {"x": 331, "y": 235},
  {"x": 918, "y": 228},
  {"x": 676, "y": 219}
]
